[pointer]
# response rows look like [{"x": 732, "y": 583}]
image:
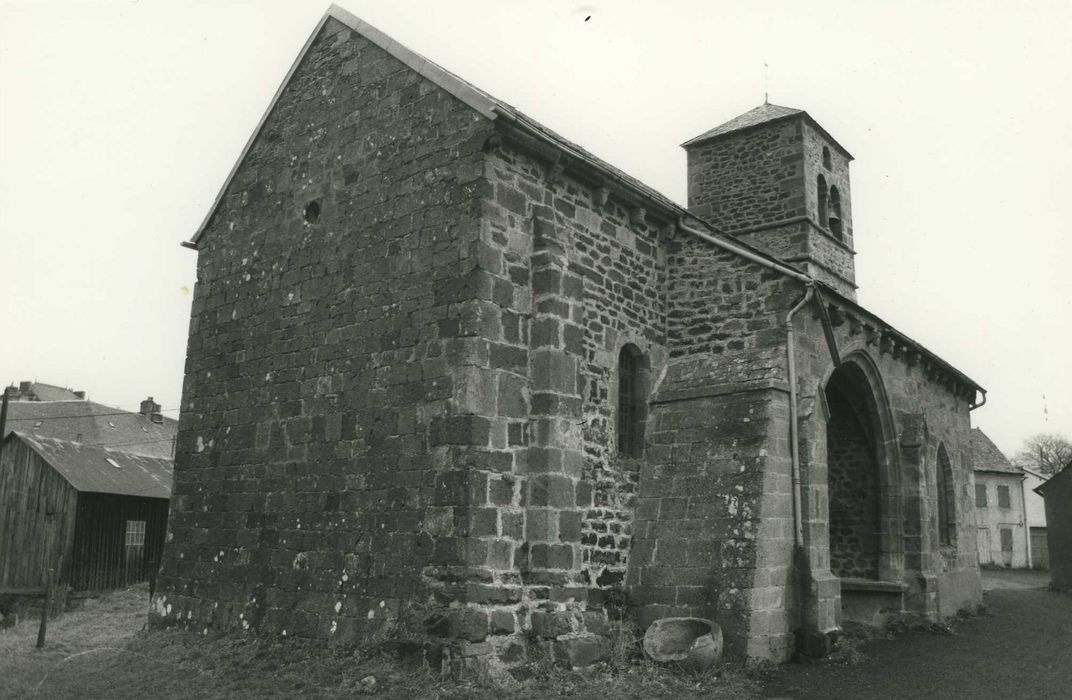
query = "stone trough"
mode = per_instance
[{"x": 692, "y": 642}]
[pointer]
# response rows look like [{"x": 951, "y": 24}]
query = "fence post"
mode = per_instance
[
  {"x": 154, "y": 569},
  {"x": 44, "y": 611}
]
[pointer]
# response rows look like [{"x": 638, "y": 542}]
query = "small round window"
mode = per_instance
[{"x": 312, "y": 211}]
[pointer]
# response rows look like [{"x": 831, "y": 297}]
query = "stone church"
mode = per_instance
[{"x": 441, "y": 358}]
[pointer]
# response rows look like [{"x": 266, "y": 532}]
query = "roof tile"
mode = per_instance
[{"x": 986, "y": 457}]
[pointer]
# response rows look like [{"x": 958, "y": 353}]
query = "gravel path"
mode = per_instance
[{"x": 1021, "y": 649}]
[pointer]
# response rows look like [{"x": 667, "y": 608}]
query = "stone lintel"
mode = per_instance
[{"x": 713, "y": 390}]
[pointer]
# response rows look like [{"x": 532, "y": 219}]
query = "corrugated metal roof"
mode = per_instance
[
  {"x": 93, "y": 424},
  {"x": 986, "y": 457},
  {"x": 99, "y": 470}
]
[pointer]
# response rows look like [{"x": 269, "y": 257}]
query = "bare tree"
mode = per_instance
[{"x": 1047, "y": 453}]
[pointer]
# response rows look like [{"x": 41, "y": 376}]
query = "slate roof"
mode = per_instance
[
  {"x": 39, "y": 391},
  {"x": 986, "y": 457},
  {"x": 763, "y": 114},
  {"x": 94, "y": 425},
  {"x": 99, "y": 470}
]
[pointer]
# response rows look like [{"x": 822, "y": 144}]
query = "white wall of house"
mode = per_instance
[
  {"x": 1036, "y": 507},
  {"x": 1002, "y": 534}
]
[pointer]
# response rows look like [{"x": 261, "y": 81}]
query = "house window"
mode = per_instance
[
  {"x": 632, "y": 401},
  {"x": 826, "y": 157},
  {"x": 1003, "y": 497},
  {"x": 980, "y": 495},
  {"x": 946, "y": 498},
  {"x": 1006, "y": 539},
  {"x": 135, "y": 535}
]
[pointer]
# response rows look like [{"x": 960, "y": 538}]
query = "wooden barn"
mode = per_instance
[
  {"x": 97, "y": 517},
  {"x": 1057, "y": 492}
]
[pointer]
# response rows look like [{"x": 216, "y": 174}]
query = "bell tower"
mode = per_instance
[{"x": 774, "y": 178}]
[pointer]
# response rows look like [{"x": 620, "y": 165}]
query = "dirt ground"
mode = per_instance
[
  {"x": 103, "y": 651},
  {"x": 1020, "y": 648}
]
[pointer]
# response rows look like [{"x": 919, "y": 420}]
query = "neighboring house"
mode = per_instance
[
  {"x": 1057, "y": 492},
  {"x": 437, "y": 351},
  {"x": 39, "y": 391},
  {"x": 1035, "y": 506},
  {"x": 1002, "y": 535},
  {"x": 95, "y": 517},
  {"x": 72, "y": 417}
]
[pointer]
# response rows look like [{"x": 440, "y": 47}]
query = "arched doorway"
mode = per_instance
[{"x": 855, "y": 478}]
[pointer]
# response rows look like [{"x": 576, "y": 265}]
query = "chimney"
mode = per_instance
[
  {"x": 80, "y": 394},
  {"x": 149, "y": 407}
]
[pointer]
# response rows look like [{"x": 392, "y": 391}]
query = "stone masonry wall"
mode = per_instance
[
  {"x": 320, "y": 485},
  {"x": 923, "y": 408},
  {"x": 713, "y": 524},
  {"x": 750, "y": 178},
  {"x": 854, "y": 494},
  {"x": 760, "y": 184},
  {"x": 596, "y": 276},
  {"x": 836, "y": 175},
  {"x": 811, "y": 250}
]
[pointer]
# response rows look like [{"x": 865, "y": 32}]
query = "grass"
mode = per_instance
[{"x": 103, "y": 650}]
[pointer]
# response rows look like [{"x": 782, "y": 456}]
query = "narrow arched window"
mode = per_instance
[
  {"x": 820, "y": 186},
  {"x": 632, "y": 401},
  {"x": 946, "y": 498},
  {"x": 834, "y": 217},
  {"x": 826, "y": 157}
]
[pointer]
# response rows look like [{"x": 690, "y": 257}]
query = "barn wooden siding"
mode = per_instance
[
  {"x": 37, "y": 519},
  {"x": 100, "y": 558}
]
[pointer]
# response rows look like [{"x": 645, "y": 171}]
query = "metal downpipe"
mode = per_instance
[
  {"x": 800, "y": 563},
  {"x": 798, "y": 519}
]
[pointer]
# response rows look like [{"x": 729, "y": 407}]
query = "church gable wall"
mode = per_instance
[{"x": 329, "y": 316}]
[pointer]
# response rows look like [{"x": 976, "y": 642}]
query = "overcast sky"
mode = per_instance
[{"x": 120, "y": 120}]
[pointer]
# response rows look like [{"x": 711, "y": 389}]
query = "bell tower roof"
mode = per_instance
[{"x": 763, "y": 114}]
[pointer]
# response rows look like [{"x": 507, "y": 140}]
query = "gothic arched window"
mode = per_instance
[
  {"x": 632, "y": 401},
  {"x": 946, "y": 498}
]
